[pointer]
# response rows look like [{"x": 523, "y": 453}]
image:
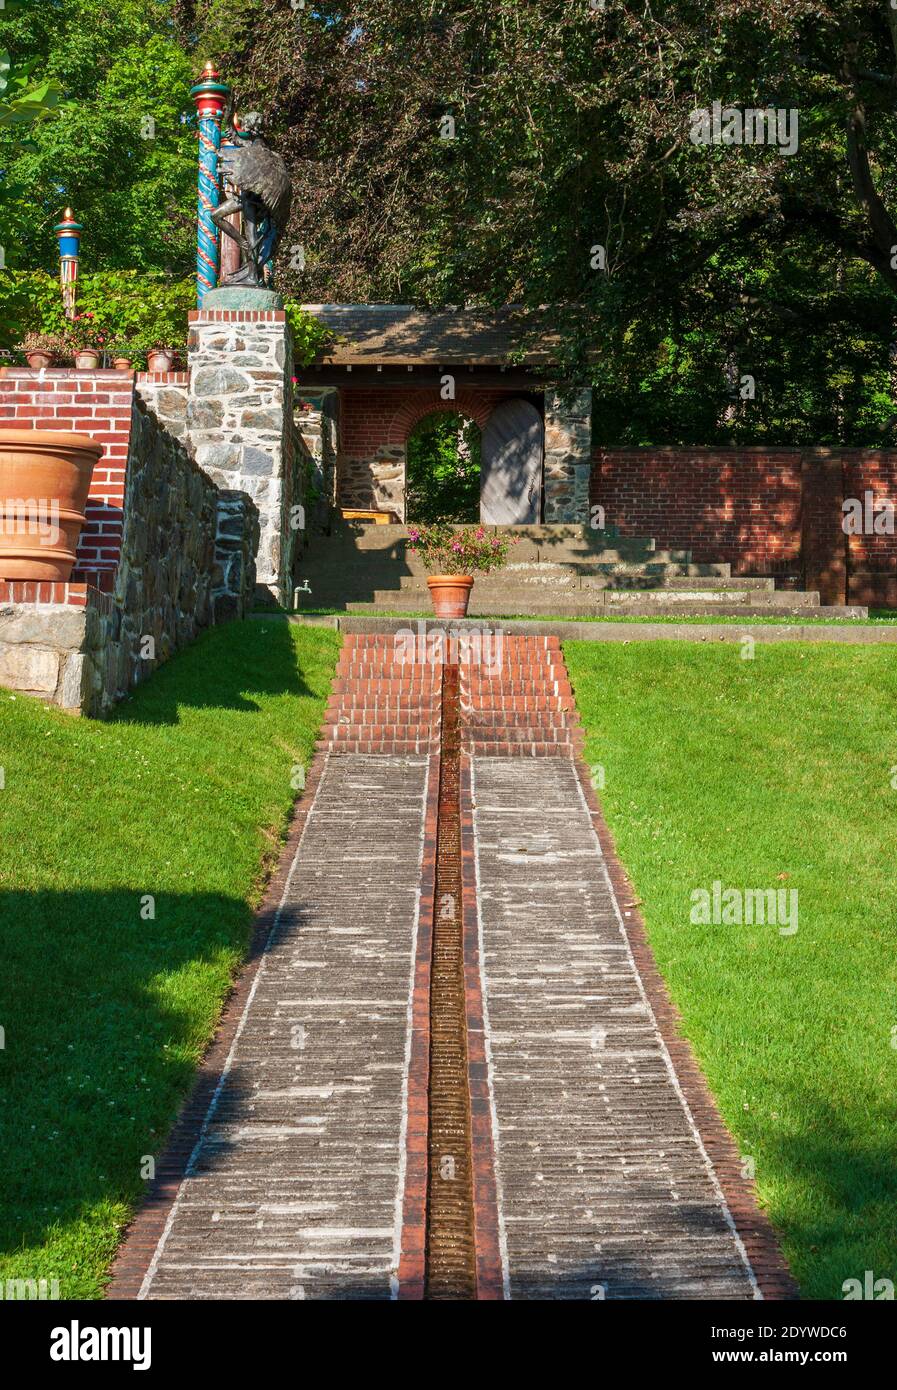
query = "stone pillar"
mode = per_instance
[
  {"x": 239, "y": 417},
  {"x": 568, "y": 455}
]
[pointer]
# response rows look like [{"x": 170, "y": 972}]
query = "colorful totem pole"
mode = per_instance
[
  {"x": 68, "y": 234},
  {"x": 210, "y": 96}
]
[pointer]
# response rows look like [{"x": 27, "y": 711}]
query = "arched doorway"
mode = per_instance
[{"x": 442, "y": 468}]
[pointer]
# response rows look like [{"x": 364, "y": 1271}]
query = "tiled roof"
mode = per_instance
[{"x": 398, "y": 334}]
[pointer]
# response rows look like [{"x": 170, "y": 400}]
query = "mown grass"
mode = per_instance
[
  {"x": 107, "y": 1001},
  {"x": 774, "y": 772}
]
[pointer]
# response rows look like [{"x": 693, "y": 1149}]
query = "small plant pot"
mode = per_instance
[
  {"x": 87, "y": 359},
  {"x": 39, "y": 359},
  {"x": 121, "y": 364},
  {"x": 160, "y": 360},
  {"x": 450, "y": 594}
]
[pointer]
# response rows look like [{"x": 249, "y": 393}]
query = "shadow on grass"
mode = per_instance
[
  {"x": 216, "y": 672},
  {"x": 105, "y": 1016}
]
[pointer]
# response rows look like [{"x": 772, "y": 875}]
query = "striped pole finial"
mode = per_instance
[
  {"x": 68, "y": 234},
  {"x": 210, "y": 96}
]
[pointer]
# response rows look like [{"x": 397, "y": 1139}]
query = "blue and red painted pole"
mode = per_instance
[
  {"x": 210, "y": 96},
  {"x": 68, "y": 234}
]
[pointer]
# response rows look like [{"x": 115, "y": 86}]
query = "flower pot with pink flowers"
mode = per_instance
[
  {"x": 88, "y": 343},
  {"x": 454, "y": 555}
]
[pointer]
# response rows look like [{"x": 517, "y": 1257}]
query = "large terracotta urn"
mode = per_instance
[{"x": 44, "y": 481}]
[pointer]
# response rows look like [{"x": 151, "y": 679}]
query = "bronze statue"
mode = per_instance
[{"x": 262, "y": 195}]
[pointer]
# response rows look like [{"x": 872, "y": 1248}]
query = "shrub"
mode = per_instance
[{"x": 446, "y": 549}]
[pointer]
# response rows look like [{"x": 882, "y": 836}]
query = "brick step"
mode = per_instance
[
  {"x": 416, "y": 720},
  {"x": 520, "y": 733},
  {"x": 502, "y": 705},
  {"x": 515, "y": 719},
  {"x": 384, "y": 747},
  {"x": 489, "y": 689},
  {"x": 390, "y": 733},
  {"x": 354, "y": 684},
  {"x": 511, "y": 750},
  {"x": 487, "y": 683}
]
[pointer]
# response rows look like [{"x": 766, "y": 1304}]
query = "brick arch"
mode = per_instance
[{"x": 476, "y": 405}]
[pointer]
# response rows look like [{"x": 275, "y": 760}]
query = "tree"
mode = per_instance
[
  {"x": 483, "y": 150},
  {"x": 123, "y": 151}
]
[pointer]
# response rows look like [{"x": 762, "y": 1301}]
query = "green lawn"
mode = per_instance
[
  {"x": 106, "y": 1011},
  {"x": 774, "y": 772}
]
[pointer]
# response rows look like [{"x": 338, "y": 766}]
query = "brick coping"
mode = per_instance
[{"x": 754, "y": 1228}]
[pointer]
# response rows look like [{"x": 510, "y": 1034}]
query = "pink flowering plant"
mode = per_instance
[{"x": 446, "y": 549}]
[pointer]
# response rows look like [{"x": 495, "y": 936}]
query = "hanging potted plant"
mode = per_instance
[
  {"x": 454, "y": 556},
  {"x": 43, "y": 349}
]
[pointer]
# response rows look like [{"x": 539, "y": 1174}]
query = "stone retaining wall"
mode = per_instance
[{"x": 187, "y": 559}]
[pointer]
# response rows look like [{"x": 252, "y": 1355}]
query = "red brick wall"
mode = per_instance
[
  {"x": 98, "y": 403},
  {"x": 740, "y": 505},
  {"x": 374, "y": 417},
  {"x": 766, "y": 511}
]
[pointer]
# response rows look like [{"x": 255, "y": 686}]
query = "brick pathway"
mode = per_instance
[
  {"x": 295, "y": 1189},
  {"x": 598, "y": 1165}
]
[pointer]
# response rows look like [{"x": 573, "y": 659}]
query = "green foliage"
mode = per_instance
[
  {"x": 442, "y": 478},
  {"x": 309, "y": 334},
  {"x": 135, "y": 310},
  {"x": 122, "y": 152},
  {"x": 24, "y": 99}
]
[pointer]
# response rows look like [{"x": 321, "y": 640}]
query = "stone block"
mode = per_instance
[{"x": 26, "y": 667}]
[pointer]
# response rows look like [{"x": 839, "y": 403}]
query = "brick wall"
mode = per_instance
[
  {"x": 165, "y": 551},
  {"x": 742, "y": 506},
  {"x": 766, "y": 511},
  {"x": 98, "y": 403}
]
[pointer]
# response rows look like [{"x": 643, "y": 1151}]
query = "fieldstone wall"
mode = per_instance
[
  {"x": 239, "y": 424},
  {"x": 568, "y": 456},
  {"x": 376, "y": 483},
  {"x": 165, "y": 394},
  {"x": 318, "y": 423},
  {"x": 187, "y": 560}
]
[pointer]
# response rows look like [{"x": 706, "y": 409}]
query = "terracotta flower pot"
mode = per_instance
[
  {"x": 450, "y": 594},
  {"x": 44, "y": 481},
  {"x": 39, "y": 359},
  {"x": 121, "y": 364},
  {"x": 87, "y": 358},
  {"x": 160, "y": 360}
]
